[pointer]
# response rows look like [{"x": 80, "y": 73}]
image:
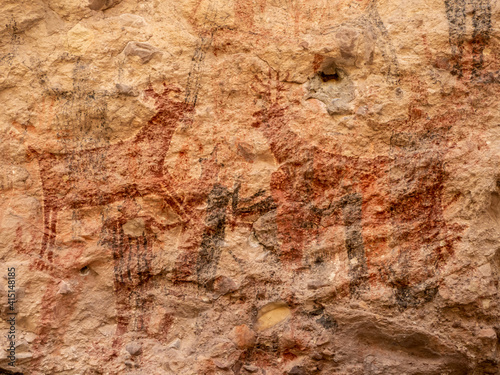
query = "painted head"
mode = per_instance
[{"x": 169, "y": 103}]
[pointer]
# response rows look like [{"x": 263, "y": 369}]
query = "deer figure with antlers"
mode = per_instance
[
  {"x": 315, "y": 190},
  {"x": 311, "y": 184}
]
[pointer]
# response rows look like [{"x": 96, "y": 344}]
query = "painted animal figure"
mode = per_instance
[
  {"x": 123, "y": 170},
  {"x": 312, "y": 185},
  {"x": 380, "y": 209}
]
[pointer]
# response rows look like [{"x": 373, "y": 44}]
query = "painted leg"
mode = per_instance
[
  {"x": 52, "y": 238},
  {"x": 47, "y": 209},
  {"x": 481, "y": 21},
  {"x": 351, "y": 212},
  {"x": 213, "y": 236}
]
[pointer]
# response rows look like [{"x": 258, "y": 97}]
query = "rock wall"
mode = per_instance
[{"x": 250, "y": 186}]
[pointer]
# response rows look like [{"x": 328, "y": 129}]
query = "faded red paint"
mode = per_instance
[
  {"x": 133, "y": 274},
  {"x": 125, "y": 169},
  {"x": 402, "y": 212},
  {"x": 129, "y": 168},
  {"x": 56, "y": 310}
]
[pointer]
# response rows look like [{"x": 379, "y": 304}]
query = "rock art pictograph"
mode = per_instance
[{"x": 249, "y": 187}]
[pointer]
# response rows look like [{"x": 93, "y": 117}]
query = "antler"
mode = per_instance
[
  {"x": 161, "y": 99},
  {"x": 271, "y": 92},
  {"x": 266, "y": 89}
]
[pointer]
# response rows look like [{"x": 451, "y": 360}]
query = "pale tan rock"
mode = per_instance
[
  {"x": 70, "y": 9},
  {"x": 272, "y": 314},
  {"x": 144, "y": 51},
  {"x": 134, "y": 348},
  {"x": 487, "y": 334},
  {"x": 80, "y": 39},
  {"x": 134, "y": 228},
  {"x": 265, "y": 230},
  {"x": 64, "y": 288}
]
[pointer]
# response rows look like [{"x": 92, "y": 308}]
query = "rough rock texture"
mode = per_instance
[{"x": 251, "y": 186}]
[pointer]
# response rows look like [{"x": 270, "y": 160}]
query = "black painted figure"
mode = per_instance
[
  {"x": 221, "y": 202},
  {"x": 214, "y": 235},
  {"x": 456, "y": 13}
]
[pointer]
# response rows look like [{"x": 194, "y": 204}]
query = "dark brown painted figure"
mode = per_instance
[
  {"x": 202, "y": 241},
  {"x": 213, "y": 236},
  {"x": 224, "y": 206},
  {"x": 133, "y": 255},
  {"x": 456, "y": 13},
  {"x": 196, "y": 194}
]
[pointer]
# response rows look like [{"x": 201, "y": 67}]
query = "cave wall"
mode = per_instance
[{"x": 250, "y": 186}]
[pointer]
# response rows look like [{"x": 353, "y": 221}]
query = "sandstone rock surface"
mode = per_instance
[{"x": 250, "y": 187}]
